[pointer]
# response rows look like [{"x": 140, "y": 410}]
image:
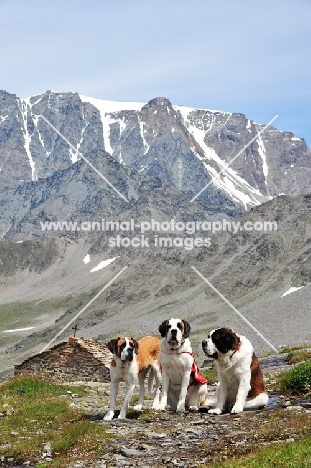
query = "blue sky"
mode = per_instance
[{"x": 247, "y": 56}]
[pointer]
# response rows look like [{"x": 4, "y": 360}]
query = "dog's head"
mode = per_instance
[
  {"x": 175, "y": 331},
  {"x": 123, "y": 348},
  {"x": 220, "y": 341}
]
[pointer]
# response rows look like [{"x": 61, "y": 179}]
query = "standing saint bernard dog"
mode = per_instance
[
  {"x": 132, "y": 359},
  {"x": 182, "y": 385},
  {"x": 240, "y": 383}
]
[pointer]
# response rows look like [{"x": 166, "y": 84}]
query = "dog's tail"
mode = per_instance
[
  {"x": 258, "y": 402},
  {"x": 151, "y": 379},
  {"x": 154, "y": 376}
]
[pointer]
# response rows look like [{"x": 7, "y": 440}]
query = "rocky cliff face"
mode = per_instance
[{"x": 183, "y": 147}]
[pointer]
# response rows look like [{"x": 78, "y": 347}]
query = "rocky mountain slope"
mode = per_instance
[
  {"x": 182, "y": 146},
  {"x": 252, "y": 269}
]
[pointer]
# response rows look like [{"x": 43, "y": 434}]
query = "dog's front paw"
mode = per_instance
[
  {"x": 109, "y": 416},
  {"x": 122, "y": 416},
  {"x": 156, "y": 406},
  {"x": 193, "y": 408},
  {"x": 138, "y": 407},
  {"x": 237, "y": 408},
  {"x": 215, "y": 411},
  {"x": 180, "y": 407}
]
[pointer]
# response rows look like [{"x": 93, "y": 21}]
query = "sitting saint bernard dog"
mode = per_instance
[
  {"x": 240, "y": 383},
  {"x": 182, "y": 385},
  {"x": 132, "y": 359}
]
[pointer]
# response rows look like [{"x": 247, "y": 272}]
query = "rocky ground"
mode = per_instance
[{"x": 151, "y": 439}]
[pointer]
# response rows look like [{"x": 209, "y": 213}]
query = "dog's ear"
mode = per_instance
[
  {"x": 136, "y": 345},
  {"x": 224, "y": 339},
  {"x": 229, "y": 342},
  {"x": 187, "y": 329},
  {"x": 112, "y": 345},
  {"x": 162, "y": 328}
]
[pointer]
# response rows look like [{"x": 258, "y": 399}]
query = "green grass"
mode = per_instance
[
  {"x": 210, "y": 374},
  {"x": 32, "y": 387},
  {"x": 38, "y": 413},
  {"x": 289, "y": 349},
  {"x": 274, "y": 431},
  {"x": 297, "y": 379},
  {"x": 283, "y": 455},
  {"x": 301, "y": 355}
]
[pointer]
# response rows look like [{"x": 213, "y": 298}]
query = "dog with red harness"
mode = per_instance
[{"x": 182, "y": 385}]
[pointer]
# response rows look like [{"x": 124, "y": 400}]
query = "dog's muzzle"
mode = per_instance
[
  {"x": 208, "y": 352},
  {"x": 173, "y": 338},
  {"x": 128, "y": 356}
]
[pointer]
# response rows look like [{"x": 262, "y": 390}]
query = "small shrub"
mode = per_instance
[{"x": 297, "y": 379}]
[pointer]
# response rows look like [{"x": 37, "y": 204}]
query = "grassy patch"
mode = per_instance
[
  {"x": 268, "y": 442},
  {"x": 210, "y": 374},
  {"x": 289, "y": 349},
  {"x": 37, "y": 414},
  {"x": 300, "y": 355},
  {"x": 283, "y": 455},
  {"x": 297, "y": 379}
]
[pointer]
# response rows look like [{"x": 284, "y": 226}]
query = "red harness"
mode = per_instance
[{"x": 195, "y": 371}]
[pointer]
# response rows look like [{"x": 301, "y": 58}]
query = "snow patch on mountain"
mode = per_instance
[
  {"x": 262, "y": 153},
  {"x": 103, "y": 264},
  {"x": 291, "y": 290},
  {"x": 146, "y": 146},
  {"x": 226, "y": 178},
  {"x": 24, "y": 107},
  {"x": 111, "y": 107},
  {"x": 107, "y": 109},
  {"x": 185, "y": 111},
  {"x": 87, "y": 259}
]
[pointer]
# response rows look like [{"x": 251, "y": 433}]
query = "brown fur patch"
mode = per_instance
[
  {"x": 237, "y": 342},
  {"x": 120, "y": 342},
  {"x": 148, "y": 351},
  {"x": 113, "y": 363},
  {"x": 257, "y": 384}
]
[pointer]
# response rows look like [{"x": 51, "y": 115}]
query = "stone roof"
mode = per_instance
[{"x": 98, "y": 351}]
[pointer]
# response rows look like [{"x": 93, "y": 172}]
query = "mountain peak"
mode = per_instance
[{"x": 186, "y": 147}]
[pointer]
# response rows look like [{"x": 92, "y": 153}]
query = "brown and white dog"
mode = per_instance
[
  {"x": 131, "y": 360},
  {"x": 179, "y": 389},
  {"x": 240, "y": 383}
]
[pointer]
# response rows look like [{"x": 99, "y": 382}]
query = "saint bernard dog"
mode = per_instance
[
  {"x": 131, "y": 360},
  {"x": 182, "y": 385},
  {"x": 240, "y": 383}
]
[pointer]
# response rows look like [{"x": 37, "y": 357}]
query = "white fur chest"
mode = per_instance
[
  {"x": 124, "y": 369},
  {"x": 176, "y": 362}
]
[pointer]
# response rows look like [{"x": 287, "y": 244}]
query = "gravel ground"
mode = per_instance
[{"x": 190, "y": 439}]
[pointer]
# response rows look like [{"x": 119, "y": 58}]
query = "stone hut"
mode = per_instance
[{"x": 79, "y": 359}]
